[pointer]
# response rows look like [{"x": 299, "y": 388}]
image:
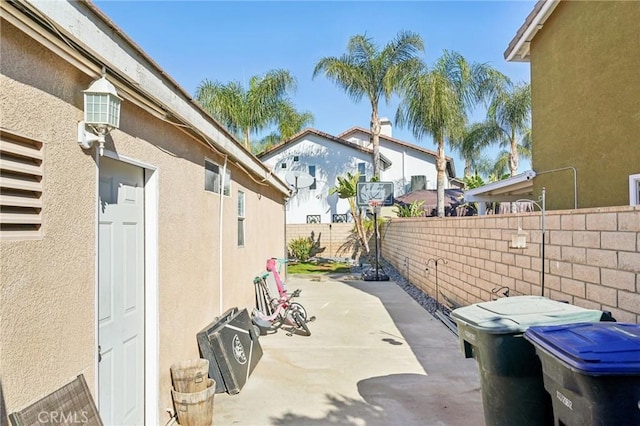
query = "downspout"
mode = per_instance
[
  {"x": 97, "y": 275},
  {"x": 544, "y": 207},
  {"x": 220, "y": 228}
]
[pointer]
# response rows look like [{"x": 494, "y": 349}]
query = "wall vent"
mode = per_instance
[{"x": 21, "y": 186}]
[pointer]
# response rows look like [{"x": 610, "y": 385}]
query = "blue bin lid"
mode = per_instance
[
  {"x": 517, "y": 314},
  {"x": 603, "y": 348}
]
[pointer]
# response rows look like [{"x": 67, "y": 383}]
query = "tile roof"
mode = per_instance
[
  {"x": 401, "y": 143},
  {"x": 328, "y": 136},
  {"x": 518, "y": 49}
]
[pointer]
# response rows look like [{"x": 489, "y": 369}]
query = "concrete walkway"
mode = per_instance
[{"x": 375, "y": 357}]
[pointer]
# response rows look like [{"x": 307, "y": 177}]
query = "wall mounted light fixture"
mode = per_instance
[
  {"x": 101, "y": 113},
  {"x": 519, "y": 239}
]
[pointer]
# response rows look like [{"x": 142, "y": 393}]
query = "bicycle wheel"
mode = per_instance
[
  {"x": 295, "y": 306},
  {"x": 301, "y": 323}
]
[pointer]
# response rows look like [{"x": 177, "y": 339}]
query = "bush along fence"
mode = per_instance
[
  {"x": 328, "y": 237},
  {"x": 592, "y": 257}
]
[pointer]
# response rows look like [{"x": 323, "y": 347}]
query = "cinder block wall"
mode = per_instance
[
  {"x": 592, "y": 257},
  {"x": 332, "y": 236}
]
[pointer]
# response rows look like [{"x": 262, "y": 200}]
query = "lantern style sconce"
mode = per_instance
[
  {"x": 101, "y": 113},
  {"x": 519, "y": 239}
]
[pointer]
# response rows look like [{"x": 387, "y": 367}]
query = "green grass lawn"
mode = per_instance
[{"x": 315, "y": 268}]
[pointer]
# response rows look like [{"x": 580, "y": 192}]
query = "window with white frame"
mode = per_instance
[
  {"x": 363, "y": 172},
  {"x": 634, "y": 189},
  {"x": 312, "y": 172},
  {"x": 21, "y": 187},
  {"x": 241, "y": 218},
  {"x": 213, "y": 178}
]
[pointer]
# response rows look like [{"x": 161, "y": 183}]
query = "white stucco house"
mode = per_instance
[
  {"x": 409, "y": 162},
  {"x": 325, "y": 157}
]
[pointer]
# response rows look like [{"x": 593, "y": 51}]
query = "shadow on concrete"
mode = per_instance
[
  {"x": 447, "y": 394},
  {"x": 344, "y": 411}
]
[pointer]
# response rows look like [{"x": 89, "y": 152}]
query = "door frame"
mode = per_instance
[{"x": 151, "y": 310}]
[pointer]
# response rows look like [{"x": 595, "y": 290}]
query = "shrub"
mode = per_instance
[
  {"x": 414, "y": 209},
  {"x": 301, "y": 248}
]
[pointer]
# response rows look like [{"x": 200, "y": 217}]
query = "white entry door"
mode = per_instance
[{"x": 121, "y": 293}]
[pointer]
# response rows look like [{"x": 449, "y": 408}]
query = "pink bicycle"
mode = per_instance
[{"x": 272, "y": 312}]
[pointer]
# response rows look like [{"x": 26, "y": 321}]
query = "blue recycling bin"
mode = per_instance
[
  {"x": 511, "y": 382},
  {"x": 591, "y": 371}
]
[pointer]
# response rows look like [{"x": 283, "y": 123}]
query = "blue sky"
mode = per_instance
[{"x": 234, "y": 40}]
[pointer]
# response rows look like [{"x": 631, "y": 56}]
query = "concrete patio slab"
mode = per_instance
[{"x": 375, "y": 357}]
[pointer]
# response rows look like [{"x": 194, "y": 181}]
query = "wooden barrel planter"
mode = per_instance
[
  {"x": 190, "y": 376},
  {"x": 195, "y": 408}
]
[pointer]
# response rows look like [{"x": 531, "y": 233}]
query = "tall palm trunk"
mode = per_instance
[
  {"x": 513, "y": 156},
  {"x": 247, "y": 136},
  {"x": 467, "y": 167},
  {"x": 441, "y": 163},
  {"x": 375, "y": 140},
  {"x": 359, "y": 224},
  {"x": 513, "y": 163}
]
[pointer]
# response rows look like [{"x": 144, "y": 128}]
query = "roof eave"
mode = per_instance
[
  {"x": 511, "y": 189},
  {"x": 518, "y": 49},
  {"x": 81, "y": 25}
]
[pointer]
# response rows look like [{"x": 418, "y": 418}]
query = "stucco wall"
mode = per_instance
[
  {"x": 592, "y": 257},
  {"x": 586, "y": 97},
  {"x": 48, "y": 286}
]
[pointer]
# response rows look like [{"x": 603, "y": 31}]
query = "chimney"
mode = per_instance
[{"x": 385, "y": 126}]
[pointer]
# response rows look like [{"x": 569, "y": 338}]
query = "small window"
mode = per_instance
[
  {"x": 313, "y": 218},
  {"x": 312, "y": 172},
  {"x": 212, "y": 178},
  {"x": 634, "y": 189},
  {"x": 21, "y": 186},
  {"x": 284, "y": 165},
  {"x": 363, "y": 172},
  {"x": 241, "y": 218},
  {"x": 296, "y": 158},
  {"x": 339, "y": 218}
]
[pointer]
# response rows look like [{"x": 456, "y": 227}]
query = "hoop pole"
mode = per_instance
[{"x": 375, "y": 230}]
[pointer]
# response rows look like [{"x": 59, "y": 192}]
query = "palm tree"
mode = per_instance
[
  {"x": 346, "y": 189},
  {"x": 502, "y": 165},
  {"x": 436, "y": 102},
  {"x": 365, "y": 70},
  {"x": 509, "y": 122},
  {"x": 290, "y": 122},
  {"x": 246, "y": 110},
  {"x": 470, "y": 147}
]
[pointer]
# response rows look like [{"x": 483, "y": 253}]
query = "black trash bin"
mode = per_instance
[
  {"x": 231, "y": 345},
  {"x": 510, "y": 373},
  {"x": 591, "y": 371}
]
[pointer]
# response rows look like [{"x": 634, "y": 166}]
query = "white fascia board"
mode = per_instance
[
  {"x": 495, "y": 189},
  {"x": 103, "y": 42},
  {"x": 495, "y": 198},
  {"x": 520, "y": 51}
]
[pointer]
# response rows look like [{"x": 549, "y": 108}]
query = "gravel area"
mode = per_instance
[{"x": 427, "y": 302}]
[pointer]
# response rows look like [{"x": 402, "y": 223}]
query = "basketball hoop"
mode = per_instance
[
  {"x": 376, "y": 275},
  {"x": 375, "y": 204}
]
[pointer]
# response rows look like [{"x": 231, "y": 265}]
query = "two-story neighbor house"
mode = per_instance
[
  {"x": 322, "y": 157},
  {"x": 325, "y": 157},
  {"x": 412, "y": 167},
  {"x": 585, "y": 93},
  {"x": 113, "y": 258}
]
